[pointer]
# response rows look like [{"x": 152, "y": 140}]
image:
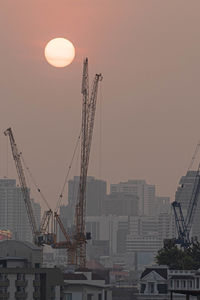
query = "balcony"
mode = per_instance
[
  {"x": 21, "y": 283},
  {"x": 4, "y": 296},
  {"x": 20, "y": 295},
  {"x": 36, "y": 294},
  {"x": 4, "y": 283}
]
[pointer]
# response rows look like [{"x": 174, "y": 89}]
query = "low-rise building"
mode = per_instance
[
  {"x": 158, "y": 282},
  {"x": 85, "y": 285},
  {"x": 22, "y": 275},
  {"x": 186, "y": 282}
]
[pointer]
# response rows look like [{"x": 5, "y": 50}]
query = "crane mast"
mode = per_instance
[
  {"x": 40, "y": 236},
  {"x": 76, "y": 243},
  {"x": 89, "y": 108}
]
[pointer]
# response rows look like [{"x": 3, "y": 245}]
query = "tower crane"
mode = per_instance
[
  {"x": 184, "y": 224},
  {"x": 40, "y": 235},
  {"x": 76, "y": 243}
]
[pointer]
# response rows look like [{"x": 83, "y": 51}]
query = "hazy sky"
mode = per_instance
[{"x": 148, "y": 123}]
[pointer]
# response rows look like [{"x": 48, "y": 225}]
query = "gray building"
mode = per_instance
[
  {"x": 95, "y": 195},
  {"x": 183, "y": 195},
  {"x": 86, "y": 285},
  {"x": 13, "y": 215},
  {"x": 22, "y": 275},
  {"x": 162, "y": 205},
  {"x": 121, "y": 204},
  {"x": 145, "y": 192}
]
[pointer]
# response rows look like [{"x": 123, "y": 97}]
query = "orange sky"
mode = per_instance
[{"x": 148, "y": 52}]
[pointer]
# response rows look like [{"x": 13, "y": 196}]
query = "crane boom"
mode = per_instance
[
  {"x": 62, "y": 227},
  {"x": 40, "y": 235},
  {"x": 88, "y": 116},
  {"x": 184, "y": 225},
  {"x": 180, "y": 224},
  {"x": 86, "y": 146},
  {"x": 193, "y": 201},
  {"x": 76, "y": 243},
  {"x": 22, "y": 180},
  {"x": 45, "y": 221}
]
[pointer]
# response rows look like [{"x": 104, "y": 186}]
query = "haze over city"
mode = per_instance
[{"x": 147, "y": 123}]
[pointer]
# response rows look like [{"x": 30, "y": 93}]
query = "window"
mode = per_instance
[
  {"x": 197, "y": 283},
  {"x": 3, "y": 276},
  {"x": 99, "y": 296},
  {"x": 37, "y": 276},
  {"x": 20, "y": 276},
  {"x": 89, "y": 296},
  {"x": 105, "y": 295},
  {"x": 3, "y": 290},
  {"x": 20, "y": 289},
  {"x": 151, "y": 287},
  {"x": 68, "y": 296},
  {"x": 162, "y": 288},
  {"x": 142, "y": 288}
]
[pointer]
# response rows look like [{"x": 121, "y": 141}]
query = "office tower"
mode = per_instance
[
  {"x": 121, "y": 204},
  {"x": 95, "y": 195},
  {"x": 13, "y": 215},
  {"x": 162, "y": 205},
  {"x": 183, "y": 195},
  {"x": 144, "y": 191}
]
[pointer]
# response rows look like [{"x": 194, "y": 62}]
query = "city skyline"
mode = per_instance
[{"x": 147, "y": 114}]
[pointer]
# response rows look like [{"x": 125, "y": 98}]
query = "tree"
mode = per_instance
[
  {"x": 176, "y": 258},
  {"x": 194, "y": 253}
]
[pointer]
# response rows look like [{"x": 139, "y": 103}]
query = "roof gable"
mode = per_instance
[{"x": 153, "y": 276}]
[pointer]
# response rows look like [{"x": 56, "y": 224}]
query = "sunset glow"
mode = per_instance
[{"x": 59, "y": 52}]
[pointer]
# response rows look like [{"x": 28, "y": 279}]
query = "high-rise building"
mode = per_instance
[
  {"x": 108, "y": 228},
  {"x": 162, "y": 205},
  {"x": 121, "y": 204},
  {"x": 13, "y": 215},
  {"x": 95, "y": 194},
  {"x": 183, "y": 195},
  {"x": 144, "y": 191}
]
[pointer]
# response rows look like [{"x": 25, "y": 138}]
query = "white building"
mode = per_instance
[
  {"x": 158, "y": 282},
  {"x": 13, "y": 215},
  {"x": 82, "y": 285}
]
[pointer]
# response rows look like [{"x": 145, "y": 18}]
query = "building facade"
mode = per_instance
[
  {"x": 183, "y": 195},
  {"x": 13, "y": 215},
  {"x": 154, "y": 284},
  {"x": 145, "y": 192},
  {"x": 22, "y": 275},
  {"x": 85, "y": 285},
  {"x": 121, "y": 204}
]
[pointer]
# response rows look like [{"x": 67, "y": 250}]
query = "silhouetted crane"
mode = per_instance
[
  {"x": 40, "y": 235},
  {"x": 76, "y": 243}
]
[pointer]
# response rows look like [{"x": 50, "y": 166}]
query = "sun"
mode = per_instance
[{"x": 59, "y": 52}]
